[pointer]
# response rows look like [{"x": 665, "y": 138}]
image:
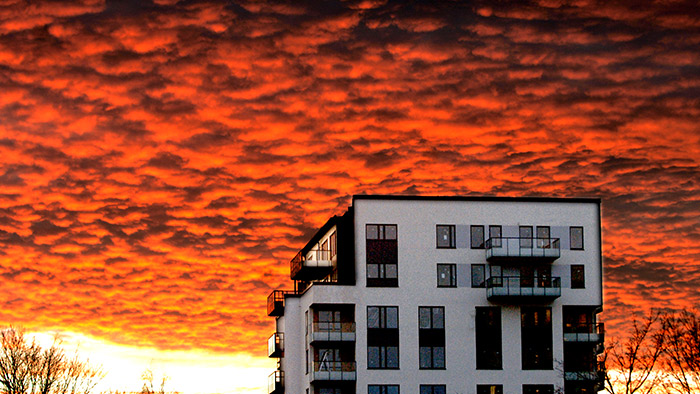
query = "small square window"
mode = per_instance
[
  {"x": 478, "y": 275},
  {"x": 576, "y": 238},
  {"x": 477, "y": 237},
  {"x": 445, "y": 236},
  {"x": 446, "y": 275},
  {"x": 578, "y": 277}
]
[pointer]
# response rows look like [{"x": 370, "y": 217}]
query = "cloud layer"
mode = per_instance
[{"x": 161, "y": 162}]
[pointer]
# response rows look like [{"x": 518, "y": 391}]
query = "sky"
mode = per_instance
[{"x": 162, "y": 161}]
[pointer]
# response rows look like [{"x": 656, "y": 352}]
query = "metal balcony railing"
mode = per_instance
[
  {"x": 332, "y": 331},
  {"x": 584, "y": 332},
  {"x": 315, "y": 264},
  {"x": 275, "y": 345},
  {"x": 275, "y": 302},
  {"x": 516, "y": 287},
  {"x": 596, "y": 375},
  {"x": 522, "y": 249},
  {"x": 275, "y": 383},
  {"x": 334, "y": 370}
]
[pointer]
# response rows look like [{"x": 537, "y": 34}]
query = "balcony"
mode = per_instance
[
  {"x": 275, "y": 345},
  {"x": 333, "y": 371},
  {"x": 275, "y": 302},
  {"x": 332, "y": 331},
  {"x": 584, "y": 333},
  {"x": 597, "y": 376},
  {"x": 516, "y": 288},
  {"x": 522, "y": 250},
  {"x": 275, "y": 383},
  {"x": 314, "y": 265}
]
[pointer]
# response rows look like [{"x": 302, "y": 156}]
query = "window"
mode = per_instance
[
  {"x": 478, "y": 275},
  {"x": 578, "y": 277},
  {"x": 495, "y": 236},
  {"x": 330, "y": 390},
  {"x": 488, "y": 338},
  {"x": 544, "y": 276},
  {"x": 536, "y": 334},
  {"x": 433, "y": 389},
  {"x": 527, "y": 276},
  {"x": 446, "y": 236},
  {"x": 525, "y": 236},
  {"x": 334, "y": 245},
  {"x": 383, "y": 389},
  {"x": 477, "y": 237},
  {"x": 576, "y": 238},
  {"x": 431, "y": 337},
  {"x": 382, "y": 337},
  {"x": 538, "y": 389},
  {"x": 382, "y": 255},
  {"x": 489, "y": 389},
  {"x": 447, "y": 275},
  {"x": 543, "y": 240}
]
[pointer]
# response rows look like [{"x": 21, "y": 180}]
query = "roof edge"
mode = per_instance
[{"x": 475, "y": 198}]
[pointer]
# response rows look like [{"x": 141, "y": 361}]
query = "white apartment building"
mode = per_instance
[{"x": 437, "y": 295}]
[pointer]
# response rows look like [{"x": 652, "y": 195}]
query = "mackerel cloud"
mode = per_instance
[{"x": 161, "y": 162}]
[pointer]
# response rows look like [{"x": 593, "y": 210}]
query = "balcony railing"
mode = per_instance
[
  {"x": 275, "y": 345},
  {"x": 333, "y": 371},
  {"x": 516, "y": 287},
  {"x": 597, "y": 376},
  {"x": 313, "y": 265},
  {"x": 584, "y": 332},
  {"x": 518, "y": 249},
  {"x": 275, "y": 302},
  {"x": 332, "y": 331},
  {"x": 275, "y": 383}
]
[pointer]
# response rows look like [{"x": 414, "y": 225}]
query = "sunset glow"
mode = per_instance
[{"x": 162, "y": 161}]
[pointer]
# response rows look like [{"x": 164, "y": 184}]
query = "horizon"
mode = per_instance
[{"x": 163, "y": 161}]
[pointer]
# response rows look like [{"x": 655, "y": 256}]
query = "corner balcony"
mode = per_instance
[
  {"x": 275, "y": 302},
  {"x": 522, "y": 250},
  {"x": 275, "y": 383},
  {"x": 332, "y": 331},
  {"x": 584, "y": 333},
  {"x": 597, "y": 376},
  {"x": 333, "y": 371},
  {"x": 519, "y": 289},
  {"x": 275, "y": 345},
  {"x": 314, "y": 265}
]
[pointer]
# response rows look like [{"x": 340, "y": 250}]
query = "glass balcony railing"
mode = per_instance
[
  {"x": 333, "y": 371},
  {"x": 584, "y": 332},
  {"x": 596, "y": 374},
  {"x": 275, "y": 383},
  {"x": 524, "y": 288},
  {"x": 333, "y": 331},
  {"x": 275, "y": 345},
  {"x": 315, "y": 264},
  {"x": 522, "y": 249}
]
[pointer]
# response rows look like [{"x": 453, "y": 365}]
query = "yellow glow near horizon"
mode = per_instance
[{"x": 187, "y": 372}]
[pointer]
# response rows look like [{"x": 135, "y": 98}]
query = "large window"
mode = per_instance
[
  {"x": 576, "y": 238},
  {"x": 431, "y": 337},
  {"x": 538, "y": 389},
  {"x": 536, "y": 333},
  {"x": 382, "y": 337},
  {"x": 488, "y": 338},
  {"x": 382, "y": 255},
  {"x": 383, "y": 389},
  {"x": 478, "y": 275},
  {"x": 578, "y": 277},
  {"x": 477, "y": 237},
  {"x": 489, "y": 389},
  {"x": 447, "y": 275},
  {"x": 446, "y": 236},
  {"x": 525, "y": 236},
  {"x": 433, "y": 389}
]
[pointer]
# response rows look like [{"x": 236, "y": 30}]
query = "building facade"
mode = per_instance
[{"x": 436, "y": 295}]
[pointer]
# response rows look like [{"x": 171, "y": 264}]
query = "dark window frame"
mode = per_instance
[
  {"x": 579, "y": 283},
  {"x": 432, "y": 387},
  {"x": 383, "y": 242},
  {"x": 475, "y": 284},
  {"x": 536, "y": 332},
  {"x": 543, "y": 242},
  {"x": 451, "y": 231},
  {"x": 571, "y": 238},
  {"x": 478, "y": 244},
  {"x": 538, "y": 389},
  {"x": 452, "y": 271},
  {"x": 487, "y": 389},
  {"x": 496, "y": 240},
  {"x": 383, "y": 337},
  {"x": 384, "y": 388},
  {"x": 525, "y": 242},
  {"x": 487, "y": 335},
  {"x": 432, "y": 338}
]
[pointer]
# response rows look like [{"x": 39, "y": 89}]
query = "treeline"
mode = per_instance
[
  {"x": 28, "y": 368},
  {"x": 661, "y": 354}
]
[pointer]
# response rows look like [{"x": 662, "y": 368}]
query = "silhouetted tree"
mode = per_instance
[
  {"x": 681, "y": 358},
  {"x": 27, "y": 368}
]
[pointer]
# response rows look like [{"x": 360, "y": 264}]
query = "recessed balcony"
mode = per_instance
[
  {"x": 275, "y": 302},
  {"x": 597, "y": 375},
  {"x": 315, "y": 264},
  {"x": 522, "y": 250},
  {"x": 522, "y": 289},
  {"x": 332, "y": 331},
  {"x": 275, "y": 383},
  {"x": 584, "y": 333},
  {"x": 334, "y": 371},
  {"x": 275, "y": 345}
]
